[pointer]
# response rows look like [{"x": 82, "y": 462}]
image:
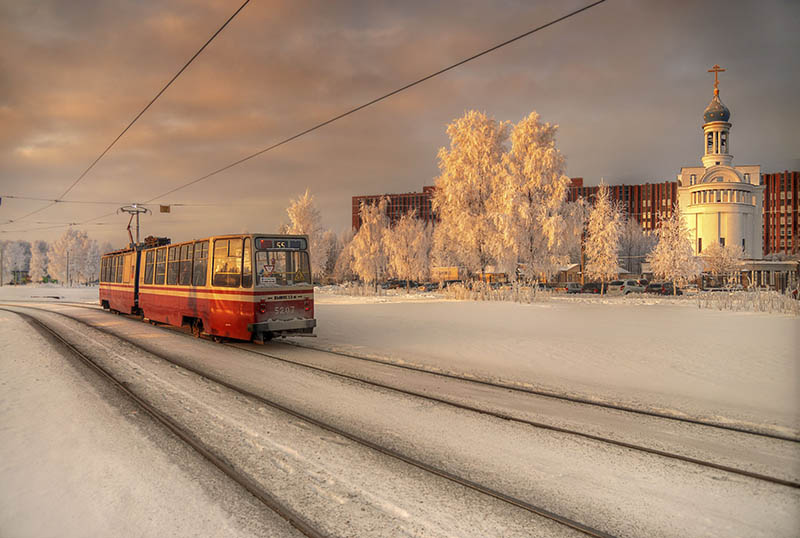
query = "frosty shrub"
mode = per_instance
[
  {"x": 481, "y": 291},
  {"x": 357, "y": 289},
  {"x": 769, "y": 301}
]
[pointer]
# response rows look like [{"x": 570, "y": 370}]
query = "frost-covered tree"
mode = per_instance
[
  {"x": 17, "y": 256},
  {"x": 367, "y": 248},
  {"x": 672, "y": 258},
  {"x": 575, "y": 215},
  {"x": 330, "y": 248},
  {"x": 602, "y": 238},
  {"x": 82, "y": 254},
  {"x": 528, "y": 206},
  {"x": 471, "y": 169},
  {"x": 634, "y": 245},
  {"x": 304, "y": 218},
  {"x": 722, "y": 261},
  {"x": 38, "y": 269},
  {"x": 343, "y": 269},
  {"x": 408, "y": 245}
]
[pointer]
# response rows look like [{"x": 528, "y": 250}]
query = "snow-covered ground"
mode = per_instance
[
  {"x": 652, "y": 352},
  {"x": 648, "y": 352}
]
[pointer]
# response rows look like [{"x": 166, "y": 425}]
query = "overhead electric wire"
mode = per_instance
[
  {"x": 363, "y": 106},
  {"x": 139, "y": 115},
  {"x": 376, "y": 100}
]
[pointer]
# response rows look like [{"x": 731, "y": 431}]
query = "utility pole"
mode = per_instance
[
  {"x": 2, "y": 249},
  {"x": 67, "y": 282}
]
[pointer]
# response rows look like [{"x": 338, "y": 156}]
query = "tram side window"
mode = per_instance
[
  {"x": 173, "y": 266},
  {"x": 149, "y": 261},
  {"x": 103, "y": 269},
  {"x": 161, "y": 266},
  {"x": 118, "y": 268},
  {"x": 247, "y": 265},
  {"x": 127, "y": 269},
  {"x": 186, "y": 265},
  {"x": 200, "y": 266},
  {"x": 227, "y": 263}
]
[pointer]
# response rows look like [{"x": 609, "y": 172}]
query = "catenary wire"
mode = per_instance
[
  {"x": 153, "y": 100},
  {"x": 363, "y": 106}
]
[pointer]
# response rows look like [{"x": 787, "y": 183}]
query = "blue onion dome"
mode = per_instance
[{"x": 716, "y": 111}]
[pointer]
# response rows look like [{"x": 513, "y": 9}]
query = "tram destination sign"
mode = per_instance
[{"x": 280, "y": 243}]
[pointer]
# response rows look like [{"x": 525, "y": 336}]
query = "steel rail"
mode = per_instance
[
  {"x": 269, "y": 500},
  {"x": 554, "y": 395},
  {"x": 524, "y": 505},
  {"x": 516, "y": 388},
  {"x": 496, "y": 414},
  {"x": 536, "y": 424}
]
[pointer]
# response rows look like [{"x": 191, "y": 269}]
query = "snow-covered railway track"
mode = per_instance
[
  {"x": 473, "y": 403},
  {"x": 748, "y": 452},
  {"x": 183, "y": 433},
  {"x": 298, "y": 520},
  {"x": 515, "y": 387}
]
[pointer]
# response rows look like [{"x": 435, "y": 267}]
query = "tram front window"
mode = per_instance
[{"x": 282, "y": 268}]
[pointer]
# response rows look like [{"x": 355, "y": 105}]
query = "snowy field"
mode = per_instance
[{"x": 648, "y": 352}]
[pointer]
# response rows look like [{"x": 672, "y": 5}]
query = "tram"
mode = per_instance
[{"x": 241, "y": 286}]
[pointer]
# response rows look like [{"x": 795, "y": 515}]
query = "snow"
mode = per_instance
[
  {"x": 654, "y": 353},
  {"x": 80, "y": 461}
]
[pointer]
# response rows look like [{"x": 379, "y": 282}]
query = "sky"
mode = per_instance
[{"x": 626, "y": 81}]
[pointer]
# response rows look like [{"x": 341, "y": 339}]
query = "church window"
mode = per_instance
[
  {"x": 722, "y": 241},
  {"x": 724, "y": 142},
  {"x": 747, "y": 178},
  {"x": 699, "y": 245},
  {"x": 710, "y": 142},
  {"x": 719, "y": 196},
  {"x": 743, "y": 243}
]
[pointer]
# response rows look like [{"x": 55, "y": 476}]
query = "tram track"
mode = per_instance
[
  {"x": 295, "y": 519},
  {"x": 536, "y": 424},
  {"x": 185, "y": 435},
  {"x": 501, "y": 415},
  {"x": 554, "y": 395},
  {"x": 551, "y": 394}
]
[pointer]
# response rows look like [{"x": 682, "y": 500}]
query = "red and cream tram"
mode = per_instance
[{"x": 247, "y": 287}]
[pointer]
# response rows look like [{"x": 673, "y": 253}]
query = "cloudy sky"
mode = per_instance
[{"x": 626, "y": 81}]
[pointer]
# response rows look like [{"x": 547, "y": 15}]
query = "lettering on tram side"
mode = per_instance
[{"x": 284, "y": 297}]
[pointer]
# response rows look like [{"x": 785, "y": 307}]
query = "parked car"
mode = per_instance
[
  {"x": 624, "y": 287},
  {"x": 573, "y": 287},
  {"x": 591, "y": 287},
  {"x": 662, "y": 288}
]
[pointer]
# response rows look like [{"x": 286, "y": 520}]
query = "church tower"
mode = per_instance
[
  {"x": 716, "y": 129},
  {"x": 721, "y": 202}
]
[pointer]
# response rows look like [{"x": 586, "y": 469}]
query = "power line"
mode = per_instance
[
  {"x": 153, "y": 100},
  {"x": 376, "y": 100},
  {"x": 107, "y": 202},
  {"x": 363, "y": 106}
]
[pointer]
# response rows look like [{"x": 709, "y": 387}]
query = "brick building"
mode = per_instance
[
  {"x": 780, "y": 212},
  {"x": 646, "y": 202},
  {"x": 399, "y": 205}
]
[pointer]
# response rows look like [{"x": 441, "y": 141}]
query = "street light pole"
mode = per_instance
[{"x": 67, "y": 268}]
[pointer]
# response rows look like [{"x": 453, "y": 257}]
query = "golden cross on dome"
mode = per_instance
[{"x": 716, "y": 69}]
